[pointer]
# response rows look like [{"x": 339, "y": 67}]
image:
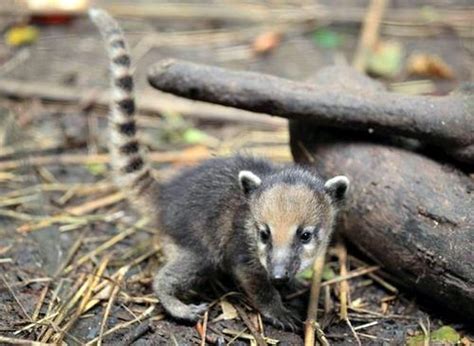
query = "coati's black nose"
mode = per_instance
[{"x": 281, "y": 278}]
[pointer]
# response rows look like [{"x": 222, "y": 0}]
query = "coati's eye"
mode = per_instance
[
  {"x": 305, "y": 237},
  {"x": 264, "y": 235}
]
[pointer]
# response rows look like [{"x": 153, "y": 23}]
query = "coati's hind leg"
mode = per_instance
[{"x": 179, "y": 275}]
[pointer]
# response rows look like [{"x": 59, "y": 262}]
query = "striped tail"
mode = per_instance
[{"x": 131, "y": 171}]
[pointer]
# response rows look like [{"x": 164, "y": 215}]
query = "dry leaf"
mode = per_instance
[
  {"x": 385, "y": 59},
  {"x": 427, "y": 65},
  {"x": 228, "y": 312},
  {"x": 266, "y": 42},
  {"x": 357, "y": 303},
  {"x": 21, "y": 35}
]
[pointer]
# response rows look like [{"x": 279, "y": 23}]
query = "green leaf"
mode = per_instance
[
  {"x": 194, "y": 136},
  {"x": 96, "y": 168},
  {"x": 444, "y": 335},
  {"x": 386, "y": 59},
  {"x": 325, "y": 38},
  {"x": 306, "y": 274},
  {"x": 328, "y": 273}
]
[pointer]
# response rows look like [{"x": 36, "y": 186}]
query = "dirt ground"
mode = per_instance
[{"x": 76, "y": 263}]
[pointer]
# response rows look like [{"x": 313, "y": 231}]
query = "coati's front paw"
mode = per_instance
[
  {"x": 187, "y": 312},
  {"x": 282, "y": 318},
  {"x": 196, "y": 311}
]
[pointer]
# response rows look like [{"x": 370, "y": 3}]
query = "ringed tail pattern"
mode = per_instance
[{"x": 131, "y": 171}]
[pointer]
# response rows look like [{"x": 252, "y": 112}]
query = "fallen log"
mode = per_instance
[
  {"x": 446, "y": 121},
  {"x": 408, "y": 212}
]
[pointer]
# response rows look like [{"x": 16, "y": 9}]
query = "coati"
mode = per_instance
[{"x": 246, "y": 216}]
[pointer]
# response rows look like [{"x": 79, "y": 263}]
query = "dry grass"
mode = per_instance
[{"x": 98, "y": 275}]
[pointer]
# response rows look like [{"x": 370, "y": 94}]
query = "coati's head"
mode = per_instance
[{"x": 292, "y": 216}]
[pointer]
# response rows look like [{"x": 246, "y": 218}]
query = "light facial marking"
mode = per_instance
[
  {"x": 262, "y": 242},
  {"x": 285, "y": 206}
]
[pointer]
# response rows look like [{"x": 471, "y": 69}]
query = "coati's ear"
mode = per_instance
[
  {"x": 337, "y": 187},
  {"x": 248, "y": 181}
]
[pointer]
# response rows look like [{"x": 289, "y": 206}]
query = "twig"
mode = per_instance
[
  {"x": 248, "y": 323},
  {"x": 109, "y": 243},
  {"x": 72, "y": 252},
  {"x": 320, "y": 336},
  {"x": 64, "y": 309},
  {"x": 375, "y": 277},
  {"x": 369, "y": 35},
  {"x": 344, "y": 286},
  {"x": 110, "y": 303},
  {"x": 96, "y": 204},
  {"x": 204, "y": 329},
  {"x": 80, "y": 159},
  {"x": 243, "y": 335},
  {"x": 354, "y": 333},
  {"x": 311, "y": 320},
  {"x": 366, "y": 325},
  {"x": 40, "y": 302},
  {"x": 145, "y": 314},
  {"x": 147, "y": 103},
  {"x": 426, "y": 332},
  {"x": 16, "y": 341},
  {"x": 90, "y": 286},
  {"x": 341, "y": 252},
  {"x": 373, "y": 337},
  {"x": 137, "y": 333},
  {"x": 26, "y": 283},
  {"x": 44, "y": 320},
  {"x": 351, "y": 275},
  {"x": 23, "y": 310}
]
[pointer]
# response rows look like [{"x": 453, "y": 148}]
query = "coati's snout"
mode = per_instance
[{"x": 292, "y": 216}]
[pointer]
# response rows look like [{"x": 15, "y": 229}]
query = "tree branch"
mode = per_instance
[{"x": 444, "y": 121}]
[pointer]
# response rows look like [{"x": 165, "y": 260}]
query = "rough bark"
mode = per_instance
[
  {"x": 410, "y": 213},
  {"x": 405, "y": 211}
]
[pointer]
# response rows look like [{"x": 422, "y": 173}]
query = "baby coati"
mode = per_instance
[{"x": 258, "y": 221}]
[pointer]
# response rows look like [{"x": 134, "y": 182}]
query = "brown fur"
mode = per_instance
[{"x": 285, "y": 207}]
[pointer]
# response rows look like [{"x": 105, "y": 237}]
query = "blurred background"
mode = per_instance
[{"x": 421, "y": 46}]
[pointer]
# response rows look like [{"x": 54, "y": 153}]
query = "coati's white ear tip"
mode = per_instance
[
  {"x": 249, "y": 175},
  {"x": 339, "y": 179},
  {"x": 248, "y": 181},
  {"x": 337, "y": 187}
]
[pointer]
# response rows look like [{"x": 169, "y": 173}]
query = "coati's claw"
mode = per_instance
[
  {"x": 194, "y": 312},
  {"x": 188, "y": 312},
  {"x": 283, "y": 318},
  {"x": 198, "y": 309}
]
